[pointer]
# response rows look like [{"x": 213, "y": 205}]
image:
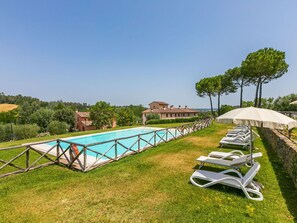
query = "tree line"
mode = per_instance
[
  {"x": 257, "y": 69},
  {"x": 33, "y": 116}
]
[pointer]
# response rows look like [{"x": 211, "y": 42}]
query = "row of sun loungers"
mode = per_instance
[
  {"x": 239, "y": 136},
  {"x": 234, "y": 160}
]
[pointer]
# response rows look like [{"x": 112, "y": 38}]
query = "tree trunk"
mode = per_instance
[
  {"x": 256, "y": 97},
  {"x": 219, "y": 104},
  {"x": 211, "y": 105},
  {"x": 241, "y": 92},
  {"x": 260, "y": 96}
]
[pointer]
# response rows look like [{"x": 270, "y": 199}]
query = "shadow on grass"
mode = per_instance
[{"x": 286, "y": 184}]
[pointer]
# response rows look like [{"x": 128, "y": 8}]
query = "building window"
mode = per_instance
[
  {"x": 170, "y": 115},
  {"x": 166, "y": 115}
]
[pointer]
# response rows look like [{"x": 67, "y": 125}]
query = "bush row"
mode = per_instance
[
  {"x": 177, "y": 120},
  {"x": 17, "y": 132}
]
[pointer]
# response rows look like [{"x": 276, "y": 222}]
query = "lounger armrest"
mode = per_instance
[
  {"x": 232, "y": 171},
  {"x": 239, "y": 137},
  {"x": 255, "y": 133},
  {"x": 234, "y": 152},
  {"x": 227, "y": 156}
]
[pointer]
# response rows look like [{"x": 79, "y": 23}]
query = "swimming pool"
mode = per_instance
[{"x": 114, "y": 144}]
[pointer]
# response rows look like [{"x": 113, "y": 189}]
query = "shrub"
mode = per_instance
[
  {"x": 226, "y": 108},
  {"x": 152, "y": 117},
  {"x": 25, "y": 131},
  {"x": 66, "y": 115},
  {"x": 5, "y": 132},
  {"x": 56, "y": 127}
]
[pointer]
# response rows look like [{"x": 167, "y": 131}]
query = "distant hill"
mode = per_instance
[{"x": 7, "y": 107}]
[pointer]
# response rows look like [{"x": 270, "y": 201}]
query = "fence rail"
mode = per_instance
[{"x": 89, "y": 156}]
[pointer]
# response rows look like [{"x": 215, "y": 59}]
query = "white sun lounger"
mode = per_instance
[
  {"x": 238, "y": 141},
  {"x": 242, "y": 134},
  {"x": 234, "y": 163},
  {"x": 226, "y": 155},
  {"x": 239, "y": 129},
  {"x": 245, "y": 183}
]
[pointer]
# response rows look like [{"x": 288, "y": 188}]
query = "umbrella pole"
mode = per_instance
[{"x": 251, "y": 144}]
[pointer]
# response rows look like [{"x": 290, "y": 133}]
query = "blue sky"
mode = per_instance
[{"x": 134, "y": 52}]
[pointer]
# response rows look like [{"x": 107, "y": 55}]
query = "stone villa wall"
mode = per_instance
[{"x": 285, "y": 149}]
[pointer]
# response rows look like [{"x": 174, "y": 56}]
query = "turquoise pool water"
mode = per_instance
[{"x": 147, "y": 134}]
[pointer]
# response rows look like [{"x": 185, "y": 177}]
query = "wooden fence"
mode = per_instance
[{"x": 19, "y": 159}]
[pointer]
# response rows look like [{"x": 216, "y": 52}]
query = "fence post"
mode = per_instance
[
  {"x": 58, "y": 152},
  {"x": 138, "y": 143},
  {"x": 166, "y": 135},
  {"x": 85, "y": 158},
  {"x": 116, "y": 149},
  {"x": 27, "y": 157},
  {"x": 155, "y": 138}
]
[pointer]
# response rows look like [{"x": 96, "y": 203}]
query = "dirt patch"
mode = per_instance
[
  {"x": 201, "y": 142},
  {"x": 177, "y": 162}
]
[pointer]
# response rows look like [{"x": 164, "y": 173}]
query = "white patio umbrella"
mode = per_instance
[
  {"x": 293, "y": 103},
  {"x": 258, "y": 117}
]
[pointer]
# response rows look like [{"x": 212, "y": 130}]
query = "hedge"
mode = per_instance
[{"x": 177, "y": 120}]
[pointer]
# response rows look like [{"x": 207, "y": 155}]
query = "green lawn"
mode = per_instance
[{"x": 149, "y": 187}]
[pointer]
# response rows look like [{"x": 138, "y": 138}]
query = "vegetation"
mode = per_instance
[
  {"x": 179, "y": 120},
  {"x": 263, "y": 66},
  {"x": 258, "y": 68},
  {"x": 153, "y": 186},
  {"x": 102, "y": 114},
  {"x": 65, "y": 115},
  {"x": 226, "y": 108},
  {"x": 150, "y": 117},
  {"x": 204, "y": 88},
  {"x": 25, "y": 131},
  {"x": 36, "y": 112},
  {"x": 239, "y": 79},
  {"x": 222, "y": 85},
  {"x": 283, "y": 103},
  {"x": 56, "y": 127}
]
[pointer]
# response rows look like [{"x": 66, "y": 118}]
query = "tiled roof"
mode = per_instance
[
  {"x": 170, "y": 110},
  {"x": 159, "y": 102},
  {"x": 83, "y": 114},
  {"x": 87, "y": 123}
]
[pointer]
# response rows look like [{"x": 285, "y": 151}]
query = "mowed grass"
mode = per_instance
[
  {"x": 294, "y": 134},
  {"x": 149, "y": 187},
  {"x": 7, "y": 107}
]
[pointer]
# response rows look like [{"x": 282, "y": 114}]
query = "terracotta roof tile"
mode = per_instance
[
  {"x": 87, "y": 123},
  {"x": 159, "y": 102},
  {"x": 83, "y": 114}
]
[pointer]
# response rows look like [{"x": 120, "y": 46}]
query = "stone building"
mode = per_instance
[{"x": 165, "y": 112}]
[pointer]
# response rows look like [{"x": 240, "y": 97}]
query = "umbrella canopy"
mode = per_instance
[
  {"x": 258, "y": 117},
  {"x": 293, "y": 103}
]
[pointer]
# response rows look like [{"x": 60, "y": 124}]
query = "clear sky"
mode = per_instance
[{"x": 133, "y": 52}]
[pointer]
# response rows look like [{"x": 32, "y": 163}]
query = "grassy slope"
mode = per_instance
[
  {"x": 7, "y": 107},
  {"x": 151, "y": 186}
]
